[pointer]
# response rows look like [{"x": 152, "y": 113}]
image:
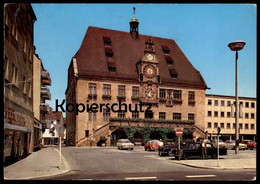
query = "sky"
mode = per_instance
[{"x": 202, "y": 31}]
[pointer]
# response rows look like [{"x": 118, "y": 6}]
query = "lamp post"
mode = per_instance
[{"x": 236, "y": 46}]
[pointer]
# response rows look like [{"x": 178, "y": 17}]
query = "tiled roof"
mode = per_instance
[{"x": 127, "y": 51}]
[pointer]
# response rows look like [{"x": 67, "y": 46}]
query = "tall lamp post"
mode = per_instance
[{"x": 236, "y": 46}]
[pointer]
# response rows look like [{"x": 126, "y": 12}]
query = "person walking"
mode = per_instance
[
  {"x": 204, "y": 149},
  {"x": 160, "y": 147}
]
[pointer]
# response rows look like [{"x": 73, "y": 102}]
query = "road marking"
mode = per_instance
[
  {"x": 200, "y": 176},
  {"x": 141, "y": 178}
]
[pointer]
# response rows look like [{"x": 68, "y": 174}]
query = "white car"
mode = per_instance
[
  {"x": 216, "y": 143},
  {"x": 125, "y": 144},
  {"x": 230, "y": 144}
]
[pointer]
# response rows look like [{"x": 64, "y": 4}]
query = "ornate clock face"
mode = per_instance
[
  {"x": 149, "y": 93},
  {"x": 149, "y": 71},
  {"x": 150, "y": 57}
]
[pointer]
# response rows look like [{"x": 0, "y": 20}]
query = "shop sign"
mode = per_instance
[{"x": 13, "y": 117}]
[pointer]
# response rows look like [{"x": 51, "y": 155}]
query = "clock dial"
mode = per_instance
[
  {"x": 150, "y": 57},
  {"x": 149, "y": 71},
  {"x": 149, "y": 93}
]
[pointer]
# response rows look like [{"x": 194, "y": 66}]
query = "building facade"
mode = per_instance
[
  {"x": 114, "y": 67},
  {"x": 18, "y": 66},
  {"x": 220, "y": 112},
  {"x": 54, "y": 128},
  {"x": 41, "y": 93}
]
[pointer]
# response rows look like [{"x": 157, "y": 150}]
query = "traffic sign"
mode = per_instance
[{"x": 179, "y": 132}]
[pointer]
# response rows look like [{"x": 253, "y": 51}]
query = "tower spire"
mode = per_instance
[{"x": 134, "y": 25}]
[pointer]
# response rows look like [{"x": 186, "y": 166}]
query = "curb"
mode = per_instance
[
  {"x": 217, "y": 168},
  {"x": 67, "y": 169}
]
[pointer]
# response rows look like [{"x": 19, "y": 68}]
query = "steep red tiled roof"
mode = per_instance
[
  {"x": 53, "y": 115},
  {"x": 92, "y": 59}
]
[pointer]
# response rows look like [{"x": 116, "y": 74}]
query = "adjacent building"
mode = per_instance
[
  {"x": 55, "y": 128},
  {"x": 41, "y": 93},
  {"x": 115, "y": 66},
  {"x": 18, "y": 71},
  {"x": 220, "y": 113}
]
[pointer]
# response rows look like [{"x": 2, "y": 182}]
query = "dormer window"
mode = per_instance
[
  {"x": 107, "y": 40},
  {"x": 169, "y": 60},
  {"x": 166, "y": 49},
  {"x": 111, "y": 66},
  {"x": 109, "y": 51},
  {"x": 173, "y": 73}
]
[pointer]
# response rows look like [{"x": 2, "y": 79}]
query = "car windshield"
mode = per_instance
[{"x": 126, "y": 142}]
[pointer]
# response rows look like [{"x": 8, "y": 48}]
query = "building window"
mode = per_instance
[
  {"x": 246, "y": 115},
  {"x": 177, "y": 116},
  {"x": 135, "y": 91},
  {"x": 92, "y": 88},
  {"x": 222, "y": 103},
  {"x": 121, "y": 90},
  {"x": 166, "y": 49},
  {"x": 135, "y": 114},
  {"x": 215, "y": 113},
  {"x": 109, "y": 51},
  {"x": 86, "y": 133},
  {"x": 162, "y": 115},
  {"x": 252, "y": 116},
  {"x": 209, "y": 113},
  {"x": 14, "y": 74},
  {"x": 106, "y": 115},
  {"x": 252, "y": 105},
  {"x": 216, "y": 102},
  {"x": 176, "y": 94},
  {"x": 162, "y": 93},
  {"x": 209, "y": 102},
  {"x": 247, "y": 104},
  {"x": 228, "y": 114},
  {"x": 106, "y": 89},
  {"x": 191, "y": 96},
  {"x": 107, "y": 40},
  {"x": 228, "y": 125},
  {"x": 222, "y": 114},
  {"x": 246, "y": 126},
  {"x": 215, "y": 125},
  {"x": 191, "y": 116},
  {"x": 234, "y": 125},
  {"x": 222, "y": 125},
  {"x": 252, "y": 126},
  {"x": 121, "y": 114},
  {"x": 92, "y": 116},
  {"x": 209, "y": 124},
  {"x": 148, "y": 114},
  {"x": 241, "y": 104},
  {"x": 228, "y": 103},
  {"x": 169, "y": 60},
  {"x": 240, "y": 126}
]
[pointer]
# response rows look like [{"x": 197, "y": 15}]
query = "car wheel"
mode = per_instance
[
  {"x": 185, "y": 157},
  {"x": 214, "y": 156},
  {"x": 170, "y": 153},
  {"x": 132, "y": 148},
  {"x": 177, "y": 157}
]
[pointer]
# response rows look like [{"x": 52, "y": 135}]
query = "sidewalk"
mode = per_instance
[
  {"x": 244, "y": 160},
  {"x": 42, "y": 163}
]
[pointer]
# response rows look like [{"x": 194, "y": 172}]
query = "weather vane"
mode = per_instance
[{"x": 134, "y": 10}]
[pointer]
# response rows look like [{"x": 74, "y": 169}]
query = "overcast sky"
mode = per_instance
[{"x": 202, "y": 31}]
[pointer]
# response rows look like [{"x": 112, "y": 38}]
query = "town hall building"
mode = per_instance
[{"x": 127, "y": 67}]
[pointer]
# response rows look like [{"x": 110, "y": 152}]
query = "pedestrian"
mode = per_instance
[
  {"x": 204, "y": 149},
  {"x": 160, "y": 147}
]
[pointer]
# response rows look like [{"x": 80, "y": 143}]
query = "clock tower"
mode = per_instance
[{"x": 148, "y": 72}]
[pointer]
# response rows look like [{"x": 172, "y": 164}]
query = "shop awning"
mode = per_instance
[{"x": 17, "y": 128}]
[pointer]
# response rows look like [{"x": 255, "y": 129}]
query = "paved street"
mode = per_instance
[{"x": 112, "y": 164}]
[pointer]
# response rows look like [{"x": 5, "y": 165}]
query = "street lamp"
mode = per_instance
[{"x": 236, "y": 46}]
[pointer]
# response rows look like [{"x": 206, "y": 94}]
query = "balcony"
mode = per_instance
[
  {"x": 45, "y": 74},
  {"x": 45, "y": 93},
  {"x": 45, "y": 108},
  {"x": 46, "y": 82}
]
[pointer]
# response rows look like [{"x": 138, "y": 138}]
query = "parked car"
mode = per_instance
[
  {"x": 230, "y": 144},
  {"x": 151, "y": 145},
  {"x": 194, "y": 149},
  {"x": 170, "y": 150},
  {"x": 125, "y": 144},
  {"x": 250, "y": 144},
  {"x": 216, "y": 142}
]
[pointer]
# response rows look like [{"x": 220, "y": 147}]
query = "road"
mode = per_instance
[{"x": 109, "y": 163}]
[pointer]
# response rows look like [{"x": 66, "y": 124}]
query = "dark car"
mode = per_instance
[
  {"x": 195, "y": 150},
  {"x": 170, "y": 149}
]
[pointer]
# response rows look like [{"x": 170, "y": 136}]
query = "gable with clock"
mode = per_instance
[{"x": 148, "y": 72}]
